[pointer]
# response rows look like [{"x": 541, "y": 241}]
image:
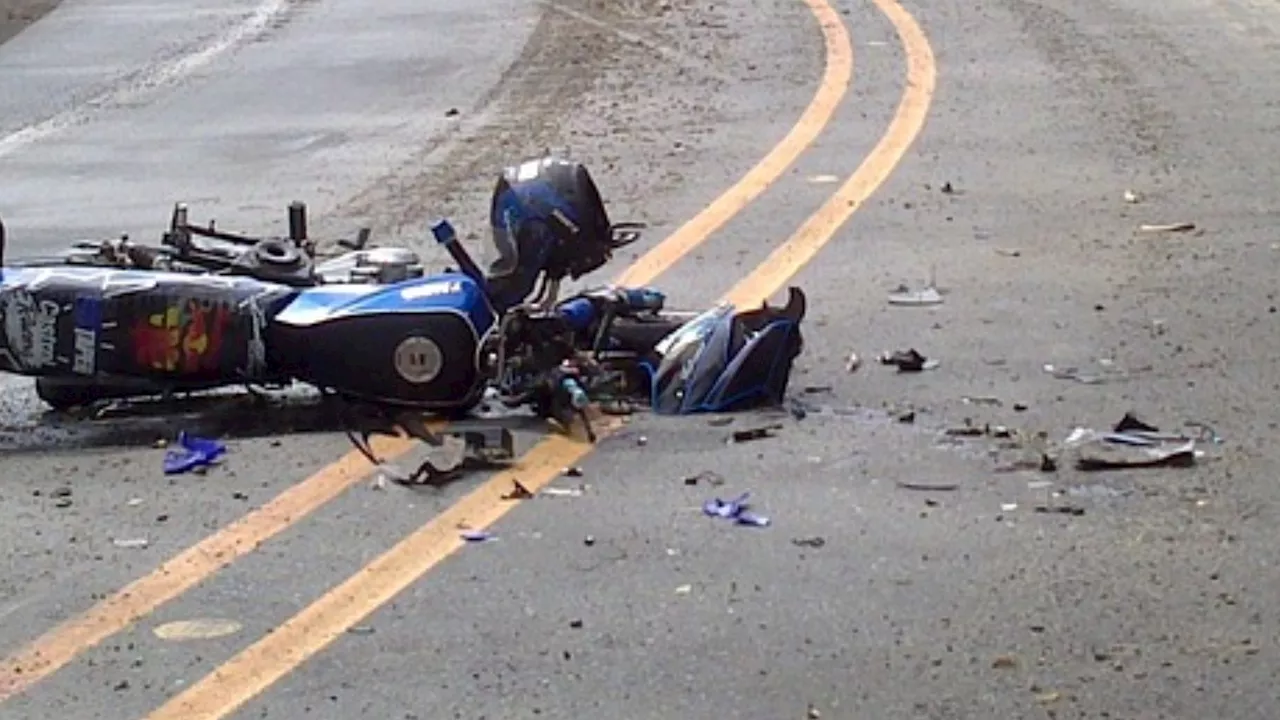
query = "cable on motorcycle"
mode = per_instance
[{"x": 425, "y": 474}]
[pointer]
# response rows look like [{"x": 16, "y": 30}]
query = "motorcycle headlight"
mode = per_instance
[{"x": 418, "y": 360}]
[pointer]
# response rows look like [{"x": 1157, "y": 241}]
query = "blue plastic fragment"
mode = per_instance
[
  {"x": 736, "y": 509},
  {"x": 192, "y": 452}
]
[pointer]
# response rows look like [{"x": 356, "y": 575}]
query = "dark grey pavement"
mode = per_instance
[{"x": 1154, "y": 602}]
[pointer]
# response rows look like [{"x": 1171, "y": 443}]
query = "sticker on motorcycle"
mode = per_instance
[
  {"x": 451, "y": 287},
  {"x": 30, "y": 329},
  {"x": 418, "y": 360},
  {"x": 184, "y": 338},
  {"x": 88, "y": 317}
]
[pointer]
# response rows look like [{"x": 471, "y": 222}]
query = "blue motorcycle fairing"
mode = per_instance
[
  {"x": 445, "y": 292},
  {"x": 725, "y": 360}
]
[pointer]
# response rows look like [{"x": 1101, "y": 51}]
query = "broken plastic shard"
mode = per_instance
[
  {"x": 1109, "y": 455},
  {"x": 906, "y": 296},
  {"x": 561, "y": 492},
  {"x": 756, "y": 433},
  {"x": 192, "y": 453},
  {"x": 908, "y": 360},
  {"x": 475, "y": 536},
  {"x": 736, "y": 510},
  {"x": 1168, "y": 227}
]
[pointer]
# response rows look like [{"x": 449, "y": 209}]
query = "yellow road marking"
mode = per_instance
[
  {"x": 177, "y": 575},
  {"x": 62, "y": 644},
  {"x": 260, "y": 665},
  {"x": 908, "y": 120}
]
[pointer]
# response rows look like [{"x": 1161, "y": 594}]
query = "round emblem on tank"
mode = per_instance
[{"x": 418, "y": 359}]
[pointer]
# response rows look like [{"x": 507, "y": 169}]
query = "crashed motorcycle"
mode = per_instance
[{"x": 207, "y": 309}]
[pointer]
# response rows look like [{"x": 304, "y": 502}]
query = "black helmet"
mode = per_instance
[{"x": 547, "y": 216}]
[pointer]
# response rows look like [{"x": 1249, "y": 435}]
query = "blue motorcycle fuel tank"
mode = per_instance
[{"x": 414, "y": 342}]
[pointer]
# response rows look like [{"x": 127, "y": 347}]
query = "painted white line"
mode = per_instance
[{"x": 150, "y": 78}]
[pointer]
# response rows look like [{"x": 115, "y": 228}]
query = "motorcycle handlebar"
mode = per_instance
[{"x": 448, "y": 237}]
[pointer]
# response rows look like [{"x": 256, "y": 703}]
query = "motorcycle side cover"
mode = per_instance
[{"x": 724, "y": 360}]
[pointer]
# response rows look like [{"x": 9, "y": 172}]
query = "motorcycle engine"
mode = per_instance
[{"x": 520, "y": 355}]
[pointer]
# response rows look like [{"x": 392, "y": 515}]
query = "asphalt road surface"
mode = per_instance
[{"x": 907, "y": 573}]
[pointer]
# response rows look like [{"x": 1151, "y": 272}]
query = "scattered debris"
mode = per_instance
[
  {"x": 761, "y": 432},
  {"x": 574, "y": 471},
  {"x": 1048, "y": 697},
  {"x": 1009, "y": 252},
  {"x": 823, "y": 179},
  {"x": 709, "y": 476},
  {"x": 518, "y": 492},
  {"x": 1168, "y": 227},
  {"x": 927, "y": 487},
  {"x": 737, "y": 510},
  {"x": 1131, "y": 197},
  {"x": 813, "y": 713},
  {"x": 1131, "y": 422},
  {"x": 852, "y": 363},
  {"x": 192, "y": 453},
  {"x": 1060, "y": 509},
  {"x": 684, "y": 589},
  {"x": 642, "y": 441},
  {"x": 1004, "y": 662},
  {"x": 809, "y": 542},
  {"x": 947, "y": 189},
  {"x": 200, "y": 629},
  {"x": 360, "y": 630},
  {"x": 1008, "y": 507},
  {"x": 477, "y": 536},
  {"x": 904, "y": 295},
  {"x": 1133, "y": 443},
  {"x": 130, "y": 543},
  {"x": 981, "y": 400},
  {"x": 589, "y": 540},
  {"x": 561, "y": 492},
  {"x": 909, "y": 360}
]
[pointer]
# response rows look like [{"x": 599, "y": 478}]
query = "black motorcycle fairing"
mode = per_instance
[
  {"x": 725, "y": 360},
  {"x": 172, "y": 328},
  {"x": 359, "y": 354}
]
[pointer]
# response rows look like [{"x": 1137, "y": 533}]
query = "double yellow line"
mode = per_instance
[{"x": 264, "y": 662}]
